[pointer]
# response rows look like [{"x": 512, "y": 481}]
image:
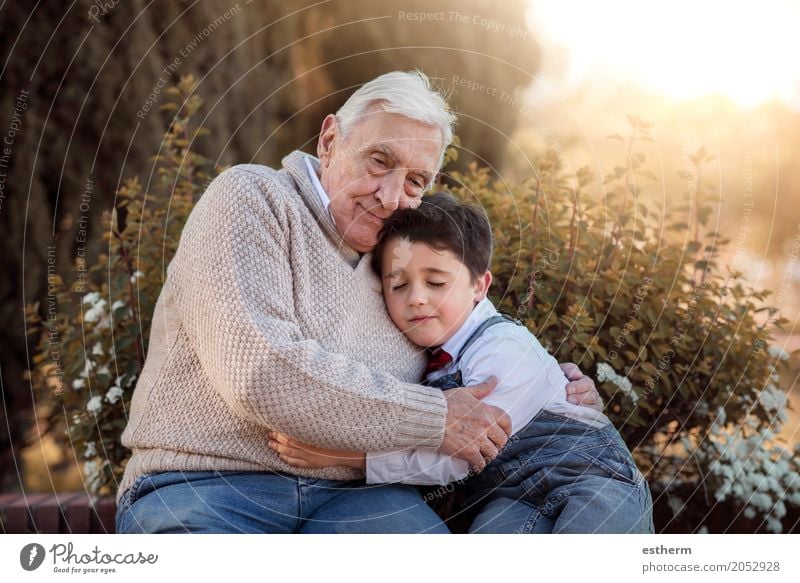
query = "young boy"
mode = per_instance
[{"x": 565, "y": 468}]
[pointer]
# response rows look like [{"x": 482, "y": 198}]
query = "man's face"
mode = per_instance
[
  {"x": 384, "y": 163},
  {"x": 429, "y": 294}
]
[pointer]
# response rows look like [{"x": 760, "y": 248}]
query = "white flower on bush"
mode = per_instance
[
  {"x": 606, "y": 373},
  {"x": 90, "y": 468},
  {"x": 750, "y": 470},
  {"x": 78, "y": 384},
  {"x": 91, "y": 298},
  {"x": 113, "y": 395},
  {"x": 778, "y": 352},
  {"x": 97, "y": 350},
  {"x": 92, "y": 472},
  {"x": 90, "y": 451},
  {"x": 96, "y": 312},
  {"x": 136, "y": 276},
  {"x": 772, "y": 398},
  {"x": 95, "y": 404}
]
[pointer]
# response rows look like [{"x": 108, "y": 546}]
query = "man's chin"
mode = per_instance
[{"x": 363, "y": 242}]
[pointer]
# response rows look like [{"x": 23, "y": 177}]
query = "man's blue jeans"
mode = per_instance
[{"x": 265, "y": 502}]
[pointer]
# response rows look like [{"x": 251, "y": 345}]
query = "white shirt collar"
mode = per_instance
[
  {"x": 323, "y": 196},
  {"x": 482, "y": 311}
]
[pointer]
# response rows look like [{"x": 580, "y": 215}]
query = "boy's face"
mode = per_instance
[{"x": 429, "y": 293}]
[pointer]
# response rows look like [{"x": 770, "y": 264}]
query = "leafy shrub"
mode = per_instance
[
  {"x": 628, "y": 289},
  {"x": 103, "y": 320},
  {"x": 633, "y": 292}
]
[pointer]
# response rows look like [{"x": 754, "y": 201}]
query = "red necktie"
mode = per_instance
[{"x": 437, "y": 359}]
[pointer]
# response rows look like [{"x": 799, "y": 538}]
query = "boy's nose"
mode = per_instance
[{"x": 417, "y": 298}]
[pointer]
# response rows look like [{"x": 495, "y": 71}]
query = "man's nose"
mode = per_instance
[{"x": 391, "y": 191}]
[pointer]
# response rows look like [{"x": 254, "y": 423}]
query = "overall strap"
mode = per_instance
[{"x": 488, "y": 323}]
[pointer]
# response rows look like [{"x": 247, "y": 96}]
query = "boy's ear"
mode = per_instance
[
  {"x": 482, "y": 284},
  {"x": 330, "y": 128}
]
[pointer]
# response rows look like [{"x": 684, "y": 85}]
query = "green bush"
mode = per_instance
[
  {"x": 632, "y": 292},
  {"x": 629, "y": 290},
  {"x": 103, "y": 322}
]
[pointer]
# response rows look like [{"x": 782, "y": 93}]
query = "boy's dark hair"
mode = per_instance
[{"x": 442, "y": 222}]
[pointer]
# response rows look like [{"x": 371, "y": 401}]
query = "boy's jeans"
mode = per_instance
[
  {"x": 265, "y": 502},
  {"x": 561, "y": 475}
]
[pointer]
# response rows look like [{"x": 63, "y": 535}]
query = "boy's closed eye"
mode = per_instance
[{"x": 399, "y": 286}]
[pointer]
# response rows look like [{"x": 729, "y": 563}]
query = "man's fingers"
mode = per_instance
[
  {"x": 571, "y": 371},
  {"x": 582, "y": 385},
  {"x": 488, "y": 450},
  {"x": 583, "y": 398},
  {"x": 473, "y": 456},
  {"x": 502, "y": 419},
  {"x": 479, "y": 465},
  {"x": 483, "y": 389},
  {"x": 583, "y": 392},
  {"x": 498, "y": 436}
]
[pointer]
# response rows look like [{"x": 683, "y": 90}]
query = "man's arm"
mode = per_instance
[{"x": 231, "y": 280}]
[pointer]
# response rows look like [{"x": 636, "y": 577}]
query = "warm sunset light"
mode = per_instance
[{"x": 683, "y": 49}]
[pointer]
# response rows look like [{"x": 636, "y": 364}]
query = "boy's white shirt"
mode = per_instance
[{"x": 529, "y": 381}]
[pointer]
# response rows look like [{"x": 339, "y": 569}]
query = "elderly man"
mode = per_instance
[{"x": 269, "y": 319}]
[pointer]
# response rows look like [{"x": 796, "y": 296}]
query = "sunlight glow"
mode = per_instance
[{"x": 684, "y": 48}]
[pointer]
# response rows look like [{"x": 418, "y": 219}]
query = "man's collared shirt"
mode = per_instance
[{"x": 323, "y": 196}]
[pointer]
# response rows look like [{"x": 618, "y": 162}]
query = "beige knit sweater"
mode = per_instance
[{"x": 268, "y": 320}]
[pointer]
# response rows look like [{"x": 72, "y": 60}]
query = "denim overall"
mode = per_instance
[{"x": 555, "y": 475}]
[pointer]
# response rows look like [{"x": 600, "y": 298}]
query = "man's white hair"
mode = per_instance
[{"x": 405, "y": 93}]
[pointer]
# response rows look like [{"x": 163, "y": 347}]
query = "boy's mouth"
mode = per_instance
[{"x": 420, "y": 319}]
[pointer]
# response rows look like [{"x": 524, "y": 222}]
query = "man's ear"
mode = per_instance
[
  {"x": 482, "y": 284},
  {"x": 327, "y": 136}
]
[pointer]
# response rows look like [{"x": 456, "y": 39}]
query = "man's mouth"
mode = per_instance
[{"x": 372, "y": 216}]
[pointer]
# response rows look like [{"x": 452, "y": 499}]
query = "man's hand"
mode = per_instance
[
  {"x": 475, "y": 432},
  {"x": 581, "y": 389}
]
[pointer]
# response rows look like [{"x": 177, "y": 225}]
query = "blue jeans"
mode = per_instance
[
  {"x": 266, "y": 502},
  {"x": 559, "y": 475}
]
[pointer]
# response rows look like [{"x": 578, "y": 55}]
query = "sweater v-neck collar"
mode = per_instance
[{"x": 295, "y": 165}]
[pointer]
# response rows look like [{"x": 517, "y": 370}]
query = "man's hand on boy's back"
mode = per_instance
[
  {"x": 474, "y": 431},
  {"x": 581, "y": 389}
]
